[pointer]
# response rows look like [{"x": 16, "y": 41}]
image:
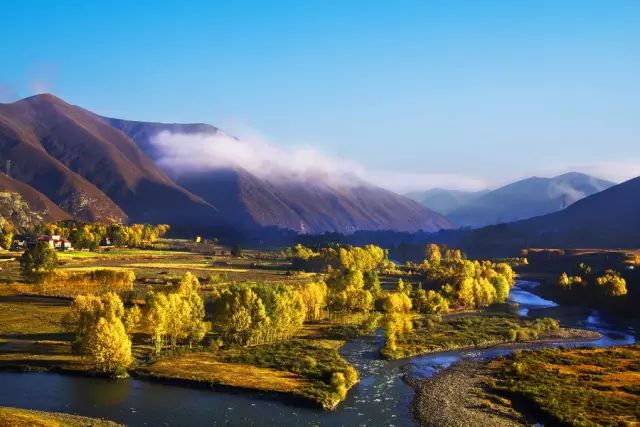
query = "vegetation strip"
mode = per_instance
[
  {"x": 24, "y": 417},
  {"x": 477, "y": 331}
]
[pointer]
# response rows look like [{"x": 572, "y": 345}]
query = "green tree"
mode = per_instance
[
  {"x": 40, "y": 258},
  {"x": 236, "y": 251}
]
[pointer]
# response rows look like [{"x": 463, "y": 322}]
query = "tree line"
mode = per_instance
[{"x": 89, "y": 235}]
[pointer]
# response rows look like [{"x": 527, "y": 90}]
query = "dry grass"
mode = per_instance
[
  {"x": 24, "y": 417},
  {"x": 599, "y": 386},
  {"x": 25, "y": 315},
  {"x": 32, "y": 334},
  {"x": 204, "y": 367}
]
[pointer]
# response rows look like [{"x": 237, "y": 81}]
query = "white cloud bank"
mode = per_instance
[{"x": 188, "y": 153}]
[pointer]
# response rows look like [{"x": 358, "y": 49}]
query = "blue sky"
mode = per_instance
[{"x": 420, "y": 94}]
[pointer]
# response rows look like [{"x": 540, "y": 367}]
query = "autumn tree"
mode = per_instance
[
  {"x": 433, "y": 253},
  {"x": 6, "y": 233},
  {"x": 430, "y": 302},
  {"x": 99, "y": 331},
  {"x": 110, "y": 346},
  {"x": 176, "y": 316},
  {"x": 132, "y": 318},
  {"x": 240, "y": 313},
  {"x": 396, "y": 302},
  {"x": 347, "y": 292},
  {"x": 314, "y": 299},
  {"x": 612, "y": 283}
]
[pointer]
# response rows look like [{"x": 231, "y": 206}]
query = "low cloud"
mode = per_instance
[{"x": 183, "y": 154}]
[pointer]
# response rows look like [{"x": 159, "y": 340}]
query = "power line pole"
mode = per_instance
[{"x": 8, "y": 168}]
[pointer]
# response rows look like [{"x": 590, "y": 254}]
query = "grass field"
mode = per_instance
[
  {"x": 32, "y": 334},
  {"x": 579, "y": 387},
  {"x": 24, "y": 417}
]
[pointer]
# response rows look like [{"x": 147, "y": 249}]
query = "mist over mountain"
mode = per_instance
[
  {"x": 192, "y": 176},
  {"x": 255, "y": 183}
]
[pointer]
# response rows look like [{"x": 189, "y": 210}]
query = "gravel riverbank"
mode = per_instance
[{"x": 457, "y": 396}]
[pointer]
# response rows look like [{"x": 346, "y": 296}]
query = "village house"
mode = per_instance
[{"x": 56, "y": 242}]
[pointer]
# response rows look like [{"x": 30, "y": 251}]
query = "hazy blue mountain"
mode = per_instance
[
  {"x": 526, "y": 198},
  {"x": 608, "y": 219},
  {"x": 444, "y": 201}
]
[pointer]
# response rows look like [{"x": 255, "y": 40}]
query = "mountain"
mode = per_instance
[
  {"x": 609, "y": 219},
  {"x": 36, "y": 202},
  {"x": 525, "y": 199},
  {"x": 303, "y": 205},
  {"x": 444, "y": 201},
  {"x": 89, "y": 168},
  {"x": 103, "y": 169}
]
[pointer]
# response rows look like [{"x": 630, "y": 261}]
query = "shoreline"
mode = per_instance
[
  {"x": 456, "y": 396},
  {"x": 563, "y": 335}
]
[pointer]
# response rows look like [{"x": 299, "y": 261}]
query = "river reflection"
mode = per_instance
[{"x": 381, "y": 398}]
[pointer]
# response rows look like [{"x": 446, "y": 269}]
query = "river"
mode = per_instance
[{"x": 381, "y": 398}]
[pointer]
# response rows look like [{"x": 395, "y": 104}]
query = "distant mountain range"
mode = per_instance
[
  {"x": 523, "y": 199},
  {"x": 75, "y": 163},
  {"x": 445, "y": 201},
  {"x": 608, "y": 219}
]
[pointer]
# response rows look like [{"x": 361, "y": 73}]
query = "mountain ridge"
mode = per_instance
[{"x": 105, "y": 170}]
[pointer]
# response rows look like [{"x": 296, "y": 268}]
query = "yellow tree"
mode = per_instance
[
  {"x": 613, "y": 283},
  {"x": 110, "y": 346}
]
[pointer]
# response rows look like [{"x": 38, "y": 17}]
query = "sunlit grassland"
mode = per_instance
[
  {"x": 23, "y": 315},
  {"x": 581, "y": 387},
  {"x": 196, "y": 266},
  {"x": 121, "y": 252},
  {"x": 33, "y": 337},
  {"x": 25, "y": 417}
]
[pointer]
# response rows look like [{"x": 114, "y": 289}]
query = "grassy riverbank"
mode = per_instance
[
  {"x": 306, "y": 369},
  {"x": 599, "y": 386},
  {"x": 26, "y": 417},
  {"x": 476, "y": 331}
]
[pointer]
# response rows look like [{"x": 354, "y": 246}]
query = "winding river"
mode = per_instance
[{"x": 381, "y": 398}]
